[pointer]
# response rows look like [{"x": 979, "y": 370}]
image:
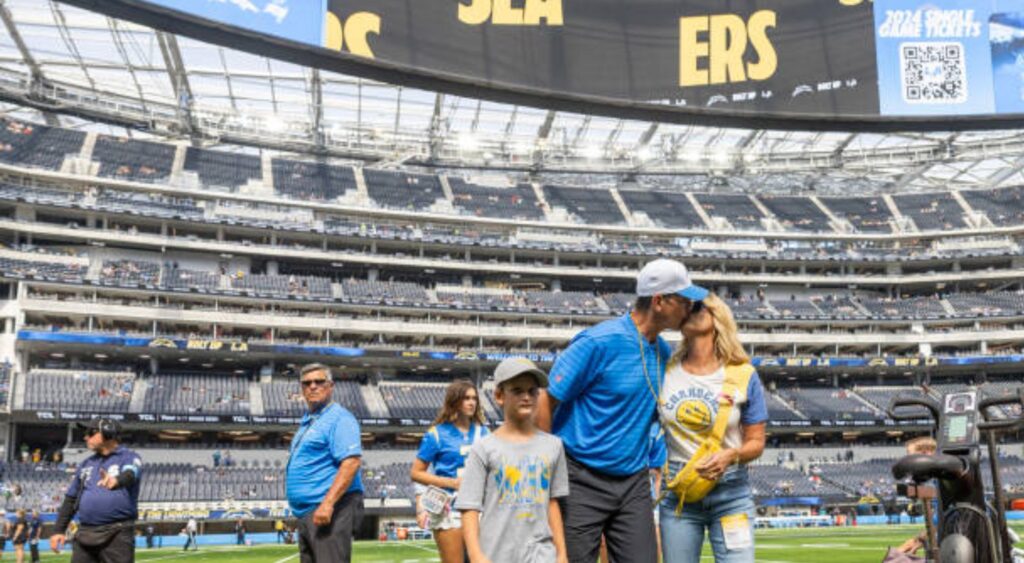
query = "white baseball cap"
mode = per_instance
[{"x": 665, "y": 277}]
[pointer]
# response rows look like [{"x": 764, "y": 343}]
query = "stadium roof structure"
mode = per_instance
[{"x": 64, "y": 61}]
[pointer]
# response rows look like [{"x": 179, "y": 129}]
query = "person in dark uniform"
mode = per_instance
[
  {"x": 35, "y": 531},
  {"x": 6, "y": 532},
  {"x": 105, "y": 496},
  {"x": 240, "y": 532},
  {"x": 149, "y": 536},
  {"x": 20, "y": 536}
]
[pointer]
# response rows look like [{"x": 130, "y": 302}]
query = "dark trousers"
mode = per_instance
[
  {"x": 191, "y": 541},
  {"x": 33, "y": 549},
  {"x": 331, "y": 543},
  {"x": 118, "y": 549},
  {"x": 618, "y": 507}
]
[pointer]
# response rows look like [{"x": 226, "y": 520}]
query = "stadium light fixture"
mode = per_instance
[
  {"x": 275, "y": 124},
  {"x": 522, "y": 147},
  {"x": 721, "y": 158},
  {"x": 592, "y": 152},
  {"x": 468, "y": 142},
  {"x": 689, "y": 155}
]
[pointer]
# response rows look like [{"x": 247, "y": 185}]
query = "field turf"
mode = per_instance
[{"x": 808, "y": 545}]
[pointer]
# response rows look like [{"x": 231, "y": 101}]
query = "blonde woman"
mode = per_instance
[
  {"x": 707, "y": 486},
  {"x": 445, "y": 447}
]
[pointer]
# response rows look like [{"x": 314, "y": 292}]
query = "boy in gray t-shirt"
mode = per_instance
[{"x": 513, "y": 477}]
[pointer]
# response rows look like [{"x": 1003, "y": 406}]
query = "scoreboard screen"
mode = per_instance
[{"x": 807, "y": 64}]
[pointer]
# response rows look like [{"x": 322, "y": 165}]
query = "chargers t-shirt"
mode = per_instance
[
  {"x": 689, "y": 408},
  {"x": 606, "y": 397},
  {"x": 512, "y": 484},
  {"x": 445, "y": 448}
]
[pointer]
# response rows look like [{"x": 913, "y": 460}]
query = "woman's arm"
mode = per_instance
[
  {"x": 419, "y": 474},
  {"x": 753, "y": 442}
]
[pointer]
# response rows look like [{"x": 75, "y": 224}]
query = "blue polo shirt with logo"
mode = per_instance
[
  {"x": 606, "y": 400},
  {"x": 324, "y": 439},
  {"x": 99, "y": 505}
]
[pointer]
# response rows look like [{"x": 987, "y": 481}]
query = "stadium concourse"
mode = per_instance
[{"x": 184, "y": 225}]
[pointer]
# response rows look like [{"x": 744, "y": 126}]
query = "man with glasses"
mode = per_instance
[
  {"x": 105, "y": 495},
  {"x": 601, "y": 402},
  {"x": 322, "y": 479}
]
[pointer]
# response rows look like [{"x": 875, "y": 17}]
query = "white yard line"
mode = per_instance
[
  {"x": 289, "y": 558},
  {"x": 175, "y": 556}
]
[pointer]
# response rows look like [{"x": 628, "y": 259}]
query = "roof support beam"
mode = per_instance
[
  {"x": 273, "y": 89},
  {"x": 434, "y": 132},
  {"x": 581, "y": 132},
  {"x": 1004, "y": 174},
  {"x": 26, "y": 55},
  {"x": 227, "y": 78},
  {"x": 542, "y": 136},
  {"x": 69, "y": 42},
  {"x": 316, "y": 106},
  {"x": 647, "y": 136},
  {"x": 179, "y": 80},
  {"x": 123, "y": 51},
  {"x": 610, "y": 141},
  {"x": 398, "y": 114},
  {"x": 750, "y": 139},
  {"x": 476, "y": 117},
  {"x": 911, "y": 176},
  {"x": 545, "y": 128},
  {"x": 837, "y": 154}
]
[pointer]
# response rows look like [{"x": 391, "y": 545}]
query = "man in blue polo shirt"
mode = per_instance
[
  {"x": 601, "y": 402},
  {"x": 105, "y": 495},
  {"x": 322, "y": 479}
]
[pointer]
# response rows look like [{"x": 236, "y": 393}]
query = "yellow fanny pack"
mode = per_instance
[{"x": 688, "y": 485}]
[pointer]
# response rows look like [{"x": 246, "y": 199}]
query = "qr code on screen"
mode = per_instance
[{"x": 933, "y": 73}]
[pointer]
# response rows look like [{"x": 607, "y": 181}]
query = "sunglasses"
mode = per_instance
[
  {"x": 91, "y": 432},
  {"x": 318, "y": 382},
  {"x": 698, "y": 306}
]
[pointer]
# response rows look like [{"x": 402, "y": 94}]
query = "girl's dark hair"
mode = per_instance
[{"x": 453, "y": 397}]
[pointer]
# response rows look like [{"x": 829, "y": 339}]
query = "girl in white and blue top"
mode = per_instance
[{"x": 444, "y": 450}]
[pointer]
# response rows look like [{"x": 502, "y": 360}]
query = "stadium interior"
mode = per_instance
[{"x": 171, "y": 264}]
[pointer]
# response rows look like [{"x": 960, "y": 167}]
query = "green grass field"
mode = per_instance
[{"x": 834, "y": 545}]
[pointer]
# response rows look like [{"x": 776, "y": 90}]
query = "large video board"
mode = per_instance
[{"x": 819, "y": 64}]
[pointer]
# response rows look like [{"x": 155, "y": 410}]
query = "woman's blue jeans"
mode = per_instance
[{"x": 682, "y": 535}]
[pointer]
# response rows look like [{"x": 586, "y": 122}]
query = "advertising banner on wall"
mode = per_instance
[
  {"x": 815, "y": 64},
  {"x": 950, "y": 57}
]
